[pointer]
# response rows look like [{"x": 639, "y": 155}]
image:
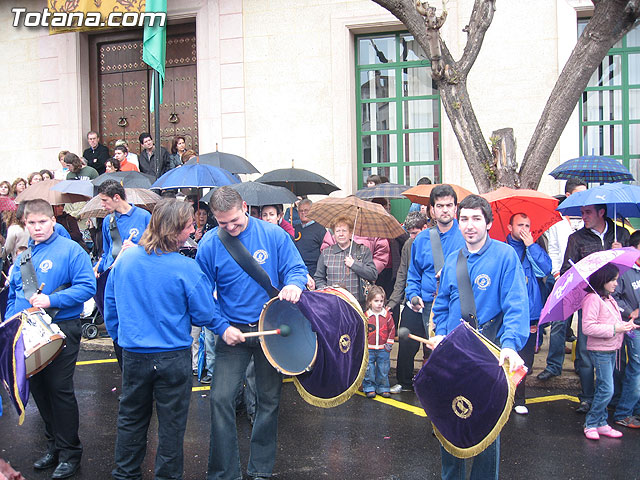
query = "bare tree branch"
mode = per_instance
[{"x": 481, "y": 18}]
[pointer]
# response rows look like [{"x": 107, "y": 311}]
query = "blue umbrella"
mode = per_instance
[
  {"x": 621, "y": 199},
  {"x": 78, "y": 187},
  {"x": 593, "y": 168},
  {"x": 194, "y": 176}
]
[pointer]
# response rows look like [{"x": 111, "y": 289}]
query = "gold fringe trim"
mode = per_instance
[
  {"x": 14, "y": 387},
  {"x": 502, "y": 421},
  {"x": 353, "y": 388}
]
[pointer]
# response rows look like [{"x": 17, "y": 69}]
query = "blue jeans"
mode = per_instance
[
  {"x": 147, "y": 377},
  {"x": 629, "y": 402},
  {"x": 377, "y": 377},
  {"x": 485, "y": 464},
  {"x": 210, "y": 340},
  {"x": 231, "y": 366},
  {"x": 557, "y": 339},
  {"x": 584, "y": 365},
  {"x": 603, "y": 363}
]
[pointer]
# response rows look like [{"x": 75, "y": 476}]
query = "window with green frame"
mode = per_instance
[
  {"x": 610, "y": 106},
  {"x": 398, "y": 110}
]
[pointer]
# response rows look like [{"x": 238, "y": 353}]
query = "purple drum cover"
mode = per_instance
[
  {"x": 464, "y": 392},
  {"x": 12, "y": 364}
]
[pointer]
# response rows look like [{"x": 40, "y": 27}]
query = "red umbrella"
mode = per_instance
[
  {"x": 7, "y": 204},
  {"x": 506, "y": 202}
]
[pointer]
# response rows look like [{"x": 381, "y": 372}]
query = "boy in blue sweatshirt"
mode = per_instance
[
  {"x": 153, "y": 326},
  {"x": 65, "y": 270},
  {"x": 240, "y": 300},
  {"x": 498, "y": 284},
  {"x": 130, "y": 222}
]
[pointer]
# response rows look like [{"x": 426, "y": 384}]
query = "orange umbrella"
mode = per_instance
[
  {"x": 420, "y": 193},
  {"x": 506, "y": 202}
]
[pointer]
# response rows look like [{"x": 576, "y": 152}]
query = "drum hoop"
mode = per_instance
[
  {"x": 52, "y": 338},
  {"x": 469, "y": 452},
  {"x": 267, "y": 353},
  {"x": 48, "y": 362}
]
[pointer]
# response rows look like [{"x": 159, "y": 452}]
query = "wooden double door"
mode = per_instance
[{"x": 121, "y": 87}]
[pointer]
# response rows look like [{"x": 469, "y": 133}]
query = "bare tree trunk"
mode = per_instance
[
  {"x": 503, "y": 149},
  {"x": 611, "y": 20},
  {"x": 451, "y": 76}
]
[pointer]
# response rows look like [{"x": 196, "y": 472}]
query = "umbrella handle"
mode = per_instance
[{"x": 353, "y": 233}]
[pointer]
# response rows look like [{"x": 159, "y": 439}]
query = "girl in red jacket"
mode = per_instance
[{"x": 381, "y": 334}]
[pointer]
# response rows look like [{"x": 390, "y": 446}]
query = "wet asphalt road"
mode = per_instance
[{"x": 360, "y": 439}]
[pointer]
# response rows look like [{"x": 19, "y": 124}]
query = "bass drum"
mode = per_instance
[{"x": 295, "y": 353}]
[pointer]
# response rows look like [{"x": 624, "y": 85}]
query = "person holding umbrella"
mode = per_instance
[
  {"x": 346, "y": 263},
  {"x": 599, "y": 233}
]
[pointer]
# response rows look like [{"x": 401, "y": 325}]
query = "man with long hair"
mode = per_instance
[{"x": 153, "y": 326}]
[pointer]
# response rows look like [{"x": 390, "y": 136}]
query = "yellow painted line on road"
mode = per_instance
[
  {"x": 397, "y": 404},
  {"x": 389, "y": 401},
  {"x": 94, "y": 362},
  {"x": 552, "y": 398}
]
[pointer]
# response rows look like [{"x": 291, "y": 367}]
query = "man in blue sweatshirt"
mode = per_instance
[
  {"x": 65, "y": 270},
  {"x": 121, "y": 229},
  {"x": 500, "y": 294},
  {"x": 536, "y": 263},
  {"x": 153, "y": 327},
  {"x": 421, "y": 277},
  {"x": 240, "y": 300}
]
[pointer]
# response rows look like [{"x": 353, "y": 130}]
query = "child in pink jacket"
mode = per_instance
[
  {"x": 604, "y": 329},
  {"x": 381, "y": 334}
]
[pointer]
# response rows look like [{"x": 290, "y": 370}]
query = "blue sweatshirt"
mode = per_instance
[
  {"x": 134, "y": 222},
  {"x": 240, "y": 297},
  {"x": 421, "y": 277},
  {"x": 535, "y": 260},
  {"x": 57, "y": 261},
  {"x": 498, "y": 284},
  {"x": 151, "y": 301}
]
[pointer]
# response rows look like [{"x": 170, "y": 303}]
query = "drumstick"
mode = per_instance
[
  {"x": 283, "y": 331},
  {"x": 405, "y": 333},
  {"x": 40, "y": 288}
]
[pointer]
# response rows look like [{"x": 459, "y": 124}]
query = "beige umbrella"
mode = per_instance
[
  {"x": 420, "y": 193},
  {"x": 42, "y": 190},
  {"x": 370, "y": 219},
  {"x": 140, "y": 197}
]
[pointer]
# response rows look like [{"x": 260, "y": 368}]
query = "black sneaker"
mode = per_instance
[{"x": 584, "y": 407}]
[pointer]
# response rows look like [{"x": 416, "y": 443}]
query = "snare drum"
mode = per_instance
[{"x": 43, "y": 340}]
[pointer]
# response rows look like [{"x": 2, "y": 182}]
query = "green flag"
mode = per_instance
[{"x": 154, "y": 44}]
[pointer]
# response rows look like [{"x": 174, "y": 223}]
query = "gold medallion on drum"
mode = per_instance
[
  {"x": 462, "y": 407},
  {"x": 345, "y": 343}
]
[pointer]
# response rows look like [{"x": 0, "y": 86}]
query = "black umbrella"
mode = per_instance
[
  {"x": 260, "y": 194},
  {"x": 228, "y": 161},
  {"x": 126, "y": 179},
  {"x": 299, "y": 181},
  {"x": 385, "y": 190}
]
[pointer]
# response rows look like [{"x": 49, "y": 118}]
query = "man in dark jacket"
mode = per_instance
[
  {"x": 599, "y": 233},
  {"x": 150, "y": 161},
  {"x": 96, "y": 154},
  {"x": 308, "y": 237}
]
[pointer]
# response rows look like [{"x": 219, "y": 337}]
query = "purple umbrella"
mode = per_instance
[{"x": 569, "y": 290}]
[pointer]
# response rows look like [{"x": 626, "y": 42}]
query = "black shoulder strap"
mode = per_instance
[
  {"x": 467, "y": 302},
  {"x": 246, "y": 261},
  {"x": 28, "y": 272},
  {"x": 116, "y": 239},
  {"x": 436, "y": 249}
]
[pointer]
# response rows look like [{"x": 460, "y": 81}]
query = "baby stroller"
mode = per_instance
[{"x": 91, "y": 319}]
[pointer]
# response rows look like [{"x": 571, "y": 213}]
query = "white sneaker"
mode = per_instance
[
  {"x": 397, "y": 388},
  {"x": 521, "y": 409}
]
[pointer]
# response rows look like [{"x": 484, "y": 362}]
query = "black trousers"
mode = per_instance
[
  {"x": 164, "y": 379},
  {"x": 53, "y": 391},
  {"x": 527, "y": 353},
  {"x": 408, "y": 348}
]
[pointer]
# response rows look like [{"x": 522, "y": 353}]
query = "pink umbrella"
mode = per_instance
[{"x": 569, "y": 290}]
